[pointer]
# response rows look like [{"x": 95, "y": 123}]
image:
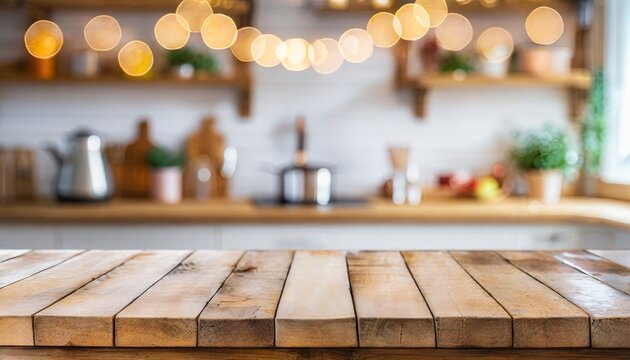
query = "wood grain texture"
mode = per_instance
[
  {"x": 10, "y": 254},
  {"x": 621, "y": 257},
  {"x": 242, "y": 313},
  {"x": 31, "y": 263},
  {"x": 541, "y": 317},
  {"x": 390, "y": 309},
  {"x": 21, "y": 300},
  {"x": 316, "y": 308},
  {"x": 465, "y": 315},
  {"x": 608, "y": 308},
  {"x": 306, "y": 354},
  {"x": 611, "y": 273},
  {"x": 86, "y": 317},
  {"x": 166, "y": 314}
]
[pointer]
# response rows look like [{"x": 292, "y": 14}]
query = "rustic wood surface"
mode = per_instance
[
  {"x": 366, "y": 304},
  {"x": 619, "y": 256},
  {"x": 31, "y": 263},
  {"x": 465, "y": 315},
  {"x": 316, "y": 308},
  {"x": 609, "y": 319},
  {"x": 609, "y": 272},
  {"x": 390, "y": 309},
  {"x": 10, "y": 254},
  {"x": 86, "y": 317},
  {"x": 541, "y": 317},
  {"x": 242, "y": 313},
  {"x": 166, "y": 314}
]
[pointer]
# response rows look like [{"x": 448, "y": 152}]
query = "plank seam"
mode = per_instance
[
  {"x": 487, "y": 292},
  {"x": 16, "y": 256},
  {"x": 354, "y": 306},
  {"x": 435, "y": 333},
  {"x": 42, "y": 270},
  {"x": 215, "y": 294},
  {"x": 145, "y": 290},
  {"x": 275, "y": 314},
  {"x": 576, "y": 267}
]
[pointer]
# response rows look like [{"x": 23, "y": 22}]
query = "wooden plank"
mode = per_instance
[
  {"x": 86, "y": 317},
  {"x": 21, "y": 300},
  {"x": 15, "y": 353},
  {"x": 10, "y": 254},
  {"x": 621, "y": 257},
  {"x": 166, "y": 314},
  {"x": 604, "y": 270},
  {"x": 608, "y": 308},
  {"x": 465, "y": 315},
  {"x": 390, "y": 309},
  {"x": 242, "y": 313},
  {"x": 31, "y": 263},
  {"x": 541, "y": 317},
  {"x": 316, "y": 307}
]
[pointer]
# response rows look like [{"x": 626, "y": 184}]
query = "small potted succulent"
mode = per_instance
[
  {"x": 187, "y": 62},
  {"x": 545, "y": 156},
  {"x": 166, "y": 175}
]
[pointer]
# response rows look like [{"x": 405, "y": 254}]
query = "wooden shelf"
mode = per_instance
[
  {"x": 241, "y": 84},
  {"x": 578, "y": 82},
  {"x": 232, "y": 7}
]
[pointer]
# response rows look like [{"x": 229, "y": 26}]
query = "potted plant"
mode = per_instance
[
  {"x": 593, "y": 135},
  {"x": 545, "y": 155},
  {"x": 187, "y": 62},
  {"x": 166, "y": 175}
]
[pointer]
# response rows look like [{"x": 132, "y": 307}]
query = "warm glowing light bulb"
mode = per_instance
[
  {"x": 356, "y": 45},
  {"x": 383, "y": 28},
  {"x": 102, "y": 33},
  {"x": 382, "y": 4},
  {"x": 325, "y": 56},
  {"x": 495, "y": 44},
  {"x": 338, "y": 4},
  {"x": 43, "y": 39},
  {"x": 414, "y": 21},
  {"x": 293, "y": 54},
  {"x": 264, "y": 50},
  {"x": 219, "y": 31},
  {"x": 437, "y": 10},
  {"x": 135, "y": 58},
  {"x": 454, "y": 33},
  {"x": 242, "y": 47},
  {"x": 544, "y": 25},
  {"x": 170, "y": 32},
  {"x": 194, "y": 12}
]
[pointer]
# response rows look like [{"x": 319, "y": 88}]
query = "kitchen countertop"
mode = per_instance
[
  {"x": 100, "y": 304},
  {"x": 434, "y": 210}
]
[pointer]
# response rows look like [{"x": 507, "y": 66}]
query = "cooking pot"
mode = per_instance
[{"x": 303, "y": 183}]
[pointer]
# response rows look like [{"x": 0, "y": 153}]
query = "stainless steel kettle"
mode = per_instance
[{"x": 83, "y": 173}]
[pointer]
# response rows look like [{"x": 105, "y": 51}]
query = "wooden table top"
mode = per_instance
[
  {"x": 314, "y": 299},
  {"x": 432, "y": 210}
]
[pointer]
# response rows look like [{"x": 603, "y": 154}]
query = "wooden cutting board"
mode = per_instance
[
  {"x": 205, "y": 147},
  {"x": 135, "y": 167}
]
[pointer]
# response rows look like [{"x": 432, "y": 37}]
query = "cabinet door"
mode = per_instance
[
  {"x": 139, "y": 237},
  {"x": 28, "y": 237}
]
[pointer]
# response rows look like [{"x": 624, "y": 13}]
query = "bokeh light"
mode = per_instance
[
  {"x": 293, "y": 54},
  {"x": 170, "y": 32},
  {"x": 194, "y": 12},
  {"x": 495, "y": 44},
  {"x": 242, "y": 47},
  {"x": 135, "y": 58},
  {"x": 454, "y": 33},
  {"x": 264, "y": 50},
  {"x": 414, "y": 21},
  {"x": 544, "y": 25},
  {"x": 325, "y": 56},
  {"x": 218, "y": 31},
  {"x": 437, "y": 10},
  {"x": 43, "y": 39},
  {"x": 102, "y": 33},
  {"x": 383, "y": 28},
  {"x": 356, "y": 45}
]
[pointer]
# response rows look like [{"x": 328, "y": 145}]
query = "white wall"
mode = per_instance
[{"x": 352, "y": 115}]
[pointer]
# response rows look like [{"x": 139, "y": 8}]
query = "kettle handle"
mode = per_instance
[{"x": 54, "y": 152}]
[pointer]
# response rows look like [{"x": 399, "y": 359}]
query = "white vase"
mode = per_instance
[
  {"x": 166, "y": 185},
  {"x": 545, "y": 185}
]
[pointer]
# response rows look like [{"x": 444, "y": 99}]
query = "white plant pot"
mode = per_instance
[
  {"x": 166, "y": 185},
  {"x": 545, "y": 185}
]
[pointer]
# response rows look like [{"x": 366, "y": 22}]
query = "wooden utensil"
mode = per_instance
[
  {"x": 136, "y": 171},
  {"x": 24, "y": 174},
  {"x": 115, "y": 154}
]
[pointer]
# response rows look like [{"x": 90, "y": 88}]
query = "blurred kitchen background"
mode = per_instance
[{"x": 450, "y": 117}]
